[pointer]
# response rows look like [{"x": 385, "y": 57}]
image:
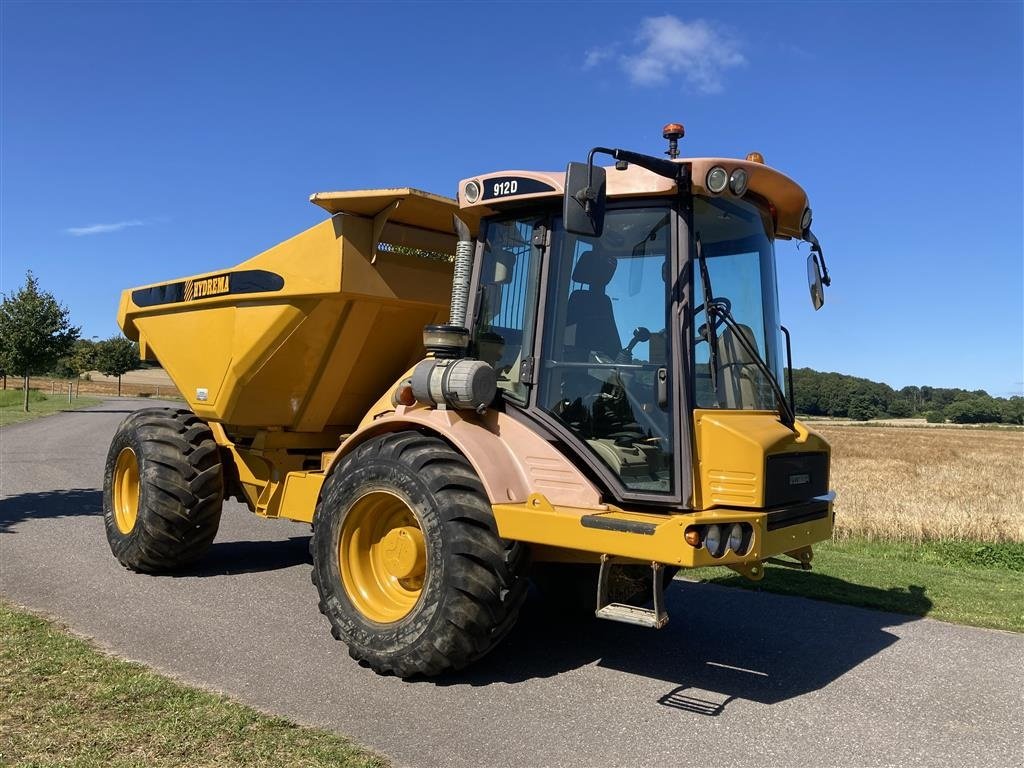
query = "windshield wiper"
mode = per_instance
[
  {"x": 719, "y": 309},
  {"x": 712, "y": 332}
]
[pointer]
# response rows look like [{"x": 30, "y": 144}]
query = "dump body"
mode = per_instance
[{"x": 308, "y": 334}]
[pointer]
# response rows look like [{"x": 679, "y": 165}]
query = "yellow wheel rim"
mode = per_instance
[
  {"x": 126, "y": 490},
  {"x": 382, "y": 557}
]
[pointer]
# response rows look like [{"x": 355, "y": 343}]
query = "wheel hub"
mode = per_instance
[
  {"x": 126, "y": 491},
  {"x": 404, "y": 552},
  {"x": 382, "y": 556}
]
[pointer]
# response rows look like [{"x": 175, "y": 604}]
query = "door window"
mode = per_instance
[{"x": 605, "y": 371}]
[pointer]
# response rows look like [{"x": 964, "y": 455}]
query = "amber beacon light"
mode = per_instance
[{"x": 673, "y": 132}]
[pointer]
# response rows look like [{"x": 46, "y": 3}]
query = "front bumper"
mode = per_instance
[{"x": 649, "y": 537}]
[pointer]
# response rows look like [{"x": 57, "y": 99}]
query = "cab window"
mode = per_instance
[{"x": 505, "y": 309}]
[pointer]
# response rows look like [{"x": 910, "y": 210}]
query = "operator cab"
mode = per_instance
[{"x": 605, "y": 335}]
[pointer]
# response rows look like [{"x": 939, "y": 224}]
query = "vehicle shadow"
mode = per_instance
[
  {"x": 72, "y": 502},
  {"x": 226, "y": 558},
  {"x": 721, "y": 644},
  {"x": 222, "y": 558}
]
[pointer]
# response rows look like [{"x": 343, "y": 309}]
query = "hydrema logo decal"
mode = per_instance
[
  {"x": 207, "y": 286},
  {"x": 239, "y": 281}
]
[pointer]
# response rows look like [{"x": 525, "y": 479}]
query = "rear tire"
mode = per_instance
[
  {"x": 163, "y": 490},
  {"x": 411, "y": 572}
]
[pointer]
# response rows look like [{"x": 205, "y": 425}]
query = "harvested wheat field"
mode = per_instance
[{"x": 909, "y": 484}]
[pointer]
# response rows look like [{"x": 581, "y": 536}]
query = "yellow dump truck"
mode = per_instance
[{"x": 561, "y": 378}]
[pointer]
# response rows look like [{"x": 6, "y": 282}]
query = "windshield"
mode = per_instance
[
  {"x": 735, "y": 241},
  {"x": 605, "y": 367}
]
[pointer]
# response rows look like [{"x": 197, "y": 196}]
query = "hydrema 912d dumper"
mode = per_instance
[{"x": 574, "y": 378}]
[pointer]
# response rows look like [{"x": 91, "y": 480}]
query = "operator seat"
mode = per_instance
[
  {"x": 589, "y": 318},
  {"x": 738, "y": 376}
]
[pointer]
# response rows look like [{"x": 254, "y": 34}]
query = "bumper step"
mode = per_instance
[{"x": 654, "y": 618}]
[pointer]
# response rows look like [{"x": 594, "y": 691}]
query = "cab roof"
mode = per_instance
[{"x": 498, "y": 189}]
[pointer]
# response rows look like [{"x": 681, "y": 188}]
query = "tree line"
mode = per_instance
[
  {"x": 37, "y": 337},
  {"x": 836, "y": 394}
]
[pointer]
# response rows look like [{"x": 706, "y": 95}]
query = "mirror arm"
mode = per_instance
[
  {"x": 587, "y": 195},
  {"x": 666, "y": 168},
  {"x": 816, "y": 248}
]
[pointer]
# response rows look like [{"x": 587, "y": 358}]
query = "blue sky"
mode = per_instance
[{"x": 144, "y": 142}]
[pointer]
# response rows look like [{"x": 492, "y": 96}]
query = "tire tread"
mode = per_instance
[
  {"x": 485, "y": 575},
  {"x": 181, "y": 490}
]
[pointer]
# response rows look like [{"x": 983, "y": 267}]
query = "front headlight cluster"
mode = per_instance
[
  {"x": 719, "y": 539},
  {"x": 718, "y": 179}
]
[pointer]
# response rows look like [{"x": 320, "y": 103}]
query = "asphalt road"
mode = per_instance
[{"x": 736, "y": 678}]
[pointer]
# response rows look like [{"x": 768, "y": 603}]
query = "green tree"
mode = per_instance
[
  {"x": 862, "y": 407},
  {"x": 974, "y": 410},
  {"x": 1013, "y": 410},
  {"x": 35, "y": 331},
  {"x": 81, "y": 360},
  {"x": 901, "y": 407},
  {"x": 116, "y": 356},
  {"x": 913, "y": 396}
]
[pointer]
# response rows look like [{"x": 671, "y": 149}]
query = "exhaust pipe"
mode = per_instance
[
  {"x": 463, "y": 269},
  {"x": 450, "y": 341}
]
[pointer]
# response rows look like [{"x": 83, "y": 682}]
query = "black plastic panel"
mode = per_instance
[
  {"x": 224, "y": 284},
  {"x": 790, "y": 477},
  {"x": 800, "y": 513}
]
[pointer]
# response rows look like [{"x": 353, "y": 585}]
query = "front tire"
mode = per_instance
[
  {"x": 411, "y": 572},
  {"x": 163, "y": 490}
]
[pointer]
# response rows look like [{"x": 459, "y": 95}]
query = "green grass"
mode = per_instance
[
  {"x": 964, "y": 582},
  {"x": 39, "y": 404},
  {"x": 64, "y": 703}
]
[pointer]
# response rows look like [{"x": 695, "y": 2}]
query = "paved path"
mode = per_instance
[{"x": 736, "y": 678}]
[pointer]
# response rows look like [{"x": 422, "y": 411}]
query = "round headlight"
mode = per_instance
[
  {"x": 735, "y": 542},
  {"x": 713, "y": 540},
  {"x": 805, "y": 220},
  {"x": 471, "y": 191},
  {"x": 717, "y": 179},
  {"x": 738, "y": 182}
]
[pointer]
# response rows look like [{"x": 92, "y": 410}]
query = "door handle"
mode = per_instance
[{"x": 662, "y": 386}]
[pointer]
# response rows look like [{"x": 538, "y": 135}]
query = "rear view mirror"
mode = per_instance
[
  {"x": 814, "y": 281},
  {"x": 585, "y": 195}
]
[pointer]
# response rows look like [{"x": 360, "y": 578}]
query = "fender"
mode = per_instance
[{"x": 511, "y": 460}]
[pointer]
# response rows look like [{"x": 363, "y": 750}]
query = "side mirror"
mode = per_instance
[
  {"x": 814, "y": 281},
  {"x": 585, "y": 196}
]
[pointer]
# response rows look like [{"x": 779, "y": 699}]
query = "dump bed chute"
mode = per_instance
[{"x": 307, "y": 334}]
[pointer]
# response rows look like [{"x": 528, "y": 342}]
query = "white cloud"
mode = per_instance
[
  {"x": 596, "y": 56},
  {"x": 100, "y": 229},
  {"x": 670, "y": 48}
]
